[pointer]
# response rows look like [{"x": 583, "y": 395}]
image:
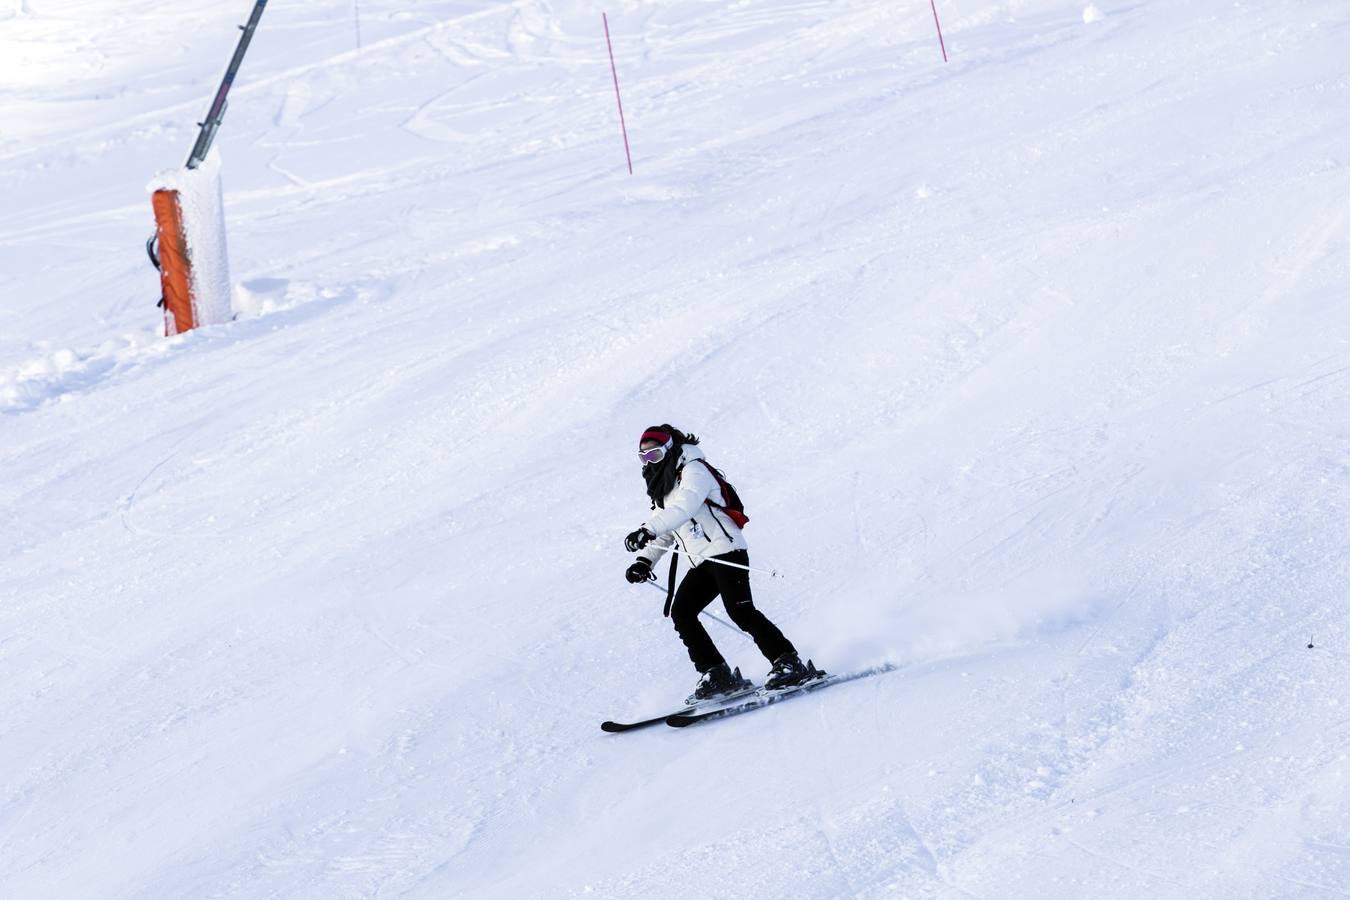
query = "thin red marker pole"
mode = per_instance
[
  {"x": 941, "y": 42},
  {"x": 622, "y": 124}
]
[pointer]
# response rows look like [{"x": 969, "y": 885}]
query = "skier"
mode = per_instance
[{"x": 691, "y": 508}]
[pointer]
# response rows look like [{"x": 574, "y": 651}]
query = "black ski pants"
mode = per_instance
[{"x": 699, "y": 588}]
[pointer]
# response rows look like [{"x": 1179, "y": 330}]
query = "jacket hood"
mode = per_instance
[{"x": 690, "y": 452}]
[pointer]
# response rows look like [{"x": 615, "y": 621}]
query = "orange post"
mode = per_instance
[{"x": 174, "y": 263}]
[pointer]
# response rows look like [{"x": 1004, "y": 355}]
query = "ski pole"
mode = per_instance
[
  {"x": 725, "y": 624},
  {"x": 772, "y": 573},
  {"x": 718, "y": 619}
]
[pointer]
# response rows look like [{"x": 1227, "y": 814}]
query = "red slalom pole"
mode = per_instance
[
  {"x": 941, "y": 42},
  {"x": 622, "y": 124}
]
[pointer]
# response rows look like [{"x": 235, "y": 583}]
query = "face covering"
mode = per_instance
[{"x": 660, "y": 477}]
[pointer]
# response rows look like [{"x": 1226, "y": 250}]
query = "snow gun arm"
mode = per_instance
[{"x": 216, "y": 114}]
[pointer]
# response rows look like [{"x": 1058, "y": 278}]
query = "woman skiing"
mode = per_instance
[{"x": 694, "y": 508}]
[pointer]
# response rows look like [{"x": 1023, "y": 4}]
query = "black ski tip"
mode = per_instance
[{"x": 620, "y": 727}]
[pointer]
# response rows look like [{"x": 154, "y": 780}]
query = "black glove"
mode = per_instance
[
  {"x": 638, "y": 539},
  {"x": 639, "y": 572}
]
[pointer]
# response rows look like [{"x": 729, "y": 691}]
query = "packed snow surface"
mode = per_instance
[{"x": 1032, "y": 368}]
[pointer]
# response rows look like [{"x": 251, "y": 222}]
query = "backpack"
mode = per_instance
[{"x": 734, "y": 509}]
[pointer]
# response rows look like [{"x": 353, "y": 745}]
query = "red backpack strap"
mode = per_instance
[{"x": 734, "y": 515}]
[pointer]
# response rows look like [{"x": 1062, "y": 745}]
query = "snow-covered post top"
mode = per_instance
[{"x": 193, "y": 251}]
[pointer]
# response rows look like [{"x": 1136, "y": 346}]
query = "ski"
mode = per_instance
[
  {"x": 765, "y": 697},
  {"x": 689, "y": 708}
]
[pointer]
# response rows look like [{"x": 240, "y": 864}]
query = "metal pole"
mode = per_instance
[
  {"x": 772, "y": 573},
  {"x": 614, "y": 70},
  {"x": 718, "y": 619},
  {"x": 216, "y": 114}
]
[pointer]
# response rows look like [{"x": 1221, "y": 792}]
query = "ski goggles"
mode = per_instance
[{"x": 656, "y": 454}]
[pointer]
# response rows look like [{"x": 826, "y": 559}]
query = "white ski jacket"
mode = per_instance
[{"x": 687, "y": 520}]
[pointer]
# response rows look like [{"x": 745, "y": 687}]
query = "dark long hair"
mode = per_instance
[
  {"x": 660, "y": 477},
  {"x": 680, "y": 437}
]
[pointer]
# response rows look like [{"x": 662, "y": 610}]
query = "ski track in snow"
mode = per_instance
[{"x": 1032, "y": 368}]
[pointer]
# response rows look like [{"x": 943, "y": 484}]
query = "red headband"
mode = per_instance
[{"x": 659, "y": 436}]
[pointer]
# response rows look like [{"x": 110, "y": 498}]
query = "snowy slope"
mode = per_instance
[{"x": 1033, "y": 369}]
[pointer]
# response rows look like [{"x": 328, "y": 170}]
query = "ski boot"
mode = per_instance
[
  {"x": 788, "y": 671},
  {"x": 719, "y": 681}
]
